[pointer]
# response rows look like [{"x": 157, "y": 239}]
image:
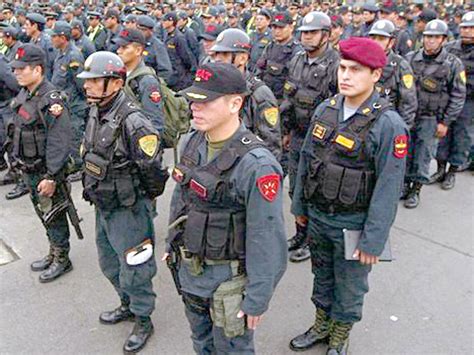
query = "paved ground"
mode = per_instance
[{"x": 422, "y": 303}]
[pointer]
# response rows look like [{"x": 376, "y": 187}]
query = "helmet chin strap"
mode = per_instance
[
  {"x": 104, "y": 96},
  {"x": 317, "y": 47}
]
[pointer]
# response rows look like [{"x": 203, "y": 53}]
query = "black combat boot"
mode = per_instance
[
  {"x": 298, "y": 239},
  {"x": 19, "y": 190},
  {"x": 405, "y": 190},
  {"x": 450, "y": 178},
  {"x": 439, "y": 175},
  {"x": 318, "y": 333},
  {"x": 44, "y": 263},
  {"x": 8, "y": 178},
  {"x": 142, "y": 330},
  {"x": 413, "y": 198},
  {"x": 119, "y": 314},
  {"x": 339, "y": 338},
  {"x": 61, "y": 264},
  {"x": 300, "y": 254},
  {"x": 3, "y": 163}
]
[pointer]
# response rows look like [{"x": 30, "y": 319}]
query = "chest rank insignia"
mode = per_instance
[
  {"x": 56, "y": 109},
  {"x": 344, "y": 141},
  {"x": 93, "y": 169},
  {"x": 199, "y": 189},
  {"x": 177, "y": 175},
  {"x": 149, "y": 144},
  {"x": 271, "y": 115},
  {"x": 319, "y": 131},
  {"x": 25, "y": 114},
  {"x": 366, "y": 111},
  {"x": 145, "y": 53}
]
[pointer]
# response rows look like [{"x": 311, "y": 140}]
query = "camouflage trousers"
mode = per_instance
[{"x": 339, "y": 285}]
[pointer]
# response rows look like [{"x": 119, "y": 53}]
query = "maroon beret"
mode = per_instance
[{"x": 364, "y": 51}]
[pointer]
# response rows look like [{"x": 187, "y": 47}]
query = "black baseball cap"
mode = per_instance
[
  {"x": 211, "y": 32},
  {"x": 28, "y": 54},
  {"x": 130, "y": 36},
  {"x": 281, "y": 19},
  {"x": 214, "y": 80}
]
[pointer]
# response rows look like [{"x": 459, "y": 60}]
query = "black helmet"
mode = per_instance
[
  {"x": 467, "y": 20},
  {"x": 383, "y": 28},
  {"x": 232, "y": 40},
  {"x": 315, "y": 20},
  {"x": 436, "y": 27},
  {"x": 103, "y": 65}
]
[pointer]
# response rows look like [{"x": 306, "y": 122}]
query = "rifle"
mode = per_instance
[
  {"x": 173, "y": 261},
  {"x": 71, "y": 210}
]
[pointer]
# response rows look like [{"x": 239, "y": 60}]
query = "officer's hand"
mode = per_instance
[
  {"x": 252, "y": 321},
  {"x": 165, "y": 256},
  {"x": 364, "y": 258},
  {"x": 286, "y": 141},
  {"x": 301, "y": 220},
  {"x": 46, "y": 188},
  {"x": 441, "y": 130}
]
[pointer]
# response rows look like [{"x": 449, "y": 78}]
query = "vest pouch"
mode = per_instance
[
  {"x": 217, "y": 235},
  {"x": 194, "y": 232},
  {"x": 125, "y": 188},
  {"x": 274, "y": 68},
  {"x": 332, "y": 180},
  {"x": 28, "y": 144},
  {"x": 238, "y": 233},
  {"x": 347, "y": 145},
  {"x": 304, "y": 99},
  {"x": 41, "y": 142},
  {"x": 104, "y": 195},
  {"x": 105, "y": 138},
  {"x": 95, "y": 166},
  {"x": 350, "y": 186},
  {"x": 311, "y": 182},
  {"x": 431, "y": 84}
]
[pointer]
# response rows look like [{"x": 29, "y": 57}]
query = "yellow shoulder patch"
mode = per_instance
[
  {"x": 462, "y": 75},
  {"x": 149, "y": 144},
  {"x": 74, "y": 64},
  {"x": 408, "y": 80},
  {"x": 271, "y": 115}
]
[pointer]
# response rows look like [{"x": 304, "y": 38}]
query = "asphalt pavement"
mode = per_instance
[{"x": 421, "y": 303}]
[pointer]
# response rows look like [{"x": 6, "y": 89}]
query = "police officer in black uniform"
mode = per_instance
[
  {"x": 260, "y": 112},
  {"x": 96, "y": 31},
  {"x": 349, "y": 179},
  {"x": 312, "y": 79},
  {"x": 397, "y": 83},
  {"x": 41, "y": 147},
  {"x": 455, "y": 147},
  {"x": 261, "y": 37},
  {"x": 441, "y": 88},
  {"x": 182, "y": 60},
  {"x": 123, "y": 172},
  {"x": 233, "y": 242}
]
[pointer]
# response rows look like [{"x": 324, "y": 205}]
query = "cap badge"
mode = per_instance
[
  {"x": 203, "y": 75},
  {"x": 308, "y": 18},
  {"x": 279, "y": 17},
  {"x": 20, "y": 53}
]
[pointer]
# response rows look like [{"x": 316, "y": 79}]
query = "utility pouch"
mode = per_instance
[
  {"x": 191, "y": 261},
  {"x": 125, "y": 190},
  {"x": 226, "y": 304},
  {"x": 350, "y": 186},
  {"x": 28, "y": 144},
  {"x": 217, "y": 232},
  {"x": 194, "y": 232},
  {"x": 332, "y": 179}
]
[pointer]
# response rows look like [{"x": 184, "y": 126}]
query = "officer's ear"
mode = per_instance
[
  {"x": 235, "y": 103},
  {"x": 376, "y": 74}
]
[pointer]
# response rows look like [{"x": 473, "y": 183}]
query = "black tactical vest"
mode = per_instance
[
  {"x": 29, "y": 139},
  {"x": 308, "y": 85},
  {"x": 340, "y": 176},
  {"x": 215, "y": 228},
  {"x": 466, "y": 54},
  {"x": 432, "y": 86},
  {"x": 110, "y": 180},
  {"x": 387, "y": 86}
]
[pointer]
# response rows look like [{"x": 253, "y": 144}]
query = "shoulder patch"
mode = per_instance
[
  {"x": 462, "y": 75},
  {"x": 56, "y": 109},
  {"x": 155, "y": 96},
  {"x": 74, "y": 64},
  {"x": 271, "y": 115},
  {"x": 400, "y": 146},
  {"x": 268, "y": 186},
  {"x": 408, "y": 80},
  {"x": 149, "y": 144}
]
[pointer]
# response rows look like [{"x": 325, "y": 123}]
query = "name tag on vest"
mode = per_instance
[{"x": 199, "y": 189}]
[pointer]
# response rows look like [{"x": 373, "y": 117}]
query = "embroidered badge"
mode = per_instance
[
  {"x": 408, "y": 80},
  {"x": 344, "y": 141},
  {"x": 400, "y": 146},
  {"x": 177, "y": 175},
  {"x": 271, "y": 115},
  {"x": 56, "y": 109},
  {"x": 319, "y": 131},
  {"x": 268, "y": 186},
  {"x": 155, "y": 97},
  {"x": 199, "y": 189},
  {"x": 149, "y": 144}
]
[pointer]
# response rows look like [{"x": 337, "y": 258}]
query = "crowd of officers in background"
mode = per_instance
[{"x": 428, "y": 80}]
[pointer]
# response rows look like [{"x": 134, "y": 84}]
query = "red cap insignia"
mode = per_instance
[
  {"x": 203, "y": 74},
  {"x": 279, "y": 17},
  {"x": 155, "y": 97},
  {"x": 268, "y": 186},
  {"x": 210, "y": 28},
  {"x": 20, "y": 53},
  {"x": 400, "y": 146},
  {"x": 123, "y": 33}
]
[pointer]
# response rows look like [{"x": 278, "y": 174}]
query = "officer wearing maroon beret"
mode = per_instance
[{"x": 349, "y": 178}]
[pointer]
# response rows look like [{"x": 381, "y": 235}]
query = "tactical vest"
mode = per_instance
[
  {"x": 275, "y": 68},
  {"x": 308, "y": 86},
  {"x": 110, "y": 179},
  {"x": 467, "y": 58},
  {"x": 387, "y": 86},
  {"x": 432, "y": 81},
  {"x": 340, "y": 176},
  {"x": 215, "y": 228},
  {"x": 29, "y": 138}
]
